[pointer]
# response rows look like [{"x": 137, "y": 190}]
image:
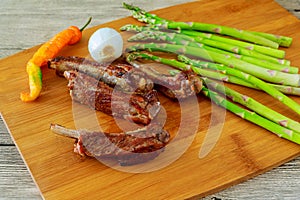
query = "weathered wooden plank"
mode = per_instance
[
  {"x": 5, "y": 138},
  {"x": 290, "y": 5},
  {"x": 30, "y": 20},
  {"x": 293, "y": 6},
  {"x": 280, "y": 183},
  {"x": 16, "y": 181}
]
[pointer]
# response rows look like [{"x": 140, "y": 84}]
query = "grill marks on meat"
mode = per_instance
[
  {"x": 128, "y": 78},
  {"x": 121, "y": 76},
  {"x": 123, "y": 91},
  {"x": 139, "y": 107},
  {"x": 178, "y": 86},
  {"x": 128, "y": 148}
]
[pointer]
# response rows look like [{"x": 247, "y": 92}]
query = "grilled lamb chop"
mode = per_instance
[
  {"x": 179, "y": 85},
  {"x": 139, "y": 107},
  {"x": 124, "y": 76},
  {"x": 128, "y": 148},
  {"x": 132, "y": 77}
]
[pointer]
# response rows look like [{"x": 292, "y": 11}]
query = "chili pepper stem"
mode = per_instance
[{"x": 86, "y": 24}]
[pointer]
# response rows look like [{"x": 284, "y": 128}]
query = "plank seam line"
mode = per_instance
[{"x": 7, "y": 145}]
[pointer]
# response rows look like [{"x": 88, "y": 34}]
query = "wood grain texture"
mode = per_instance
[
  {"x": 231, "y": 193},
  {"x": 16, "y": 181}
]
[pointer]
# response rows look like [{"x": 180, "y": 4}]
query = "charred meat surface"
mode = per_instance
[
  {"x": 141, "y": 108},
  {"x": 124, "y": 76},
  {"x": 128, "y": 148},
  {"x": 178, "y": 85}
]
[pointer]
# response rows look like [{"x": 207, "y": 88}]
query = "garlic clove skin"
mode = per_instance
[{"x": 105, "y": 45}]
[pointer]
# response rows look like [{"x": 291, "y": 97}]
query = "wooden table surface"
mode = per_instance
[{"x": 28, "y": 23}]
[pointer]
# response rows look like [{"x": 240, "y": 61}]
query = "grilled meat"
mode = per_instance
[
  {"x": 178, "y": 85},
  {"x": 139, "y": 107},
  {"x": 123, "y": 76},
  {"x": 128, "y": 148},
  {"x": 139, "y": 78}
]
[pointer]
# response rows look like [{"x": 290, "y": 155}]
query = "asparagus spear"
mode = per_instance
[
  {"x": 238, "y": 81},
  {"x": 252, "y": 79},
  {"x": 183, "y": 39},
  {"x": 212, "y": 28},
  {"x": 278, "y": 128},
  {"x": 267, "y": 62},
  {"x": 224, "y": 30},
  {"x": 262, "y": 63},
  {"x": 240, "y": 50},
  {"x": 144, "y": 16},
  {"x": 281, "y": 40},
  {"x": 277, "y": 53},
  {"x": 253, "y": 105},
  {"x": 262, "y": 49},
  {"x": 142, "y": 13},
  {"x": 253, "y": 117},
  {"x": 260, "y": 72},
  {"x": 287, "y": 89}
]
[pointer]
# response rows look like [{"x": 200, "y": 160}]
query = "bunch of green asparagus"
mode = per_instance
[{"x": 246, "y": 58}]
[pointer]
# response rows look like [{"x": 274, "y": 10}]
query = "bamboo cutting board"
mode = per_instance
[{"x": 239, "y": 150}]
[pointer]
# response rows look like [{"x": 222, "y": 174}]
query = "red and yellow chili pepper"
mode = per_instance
[{"x": 47, "y": 51}]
